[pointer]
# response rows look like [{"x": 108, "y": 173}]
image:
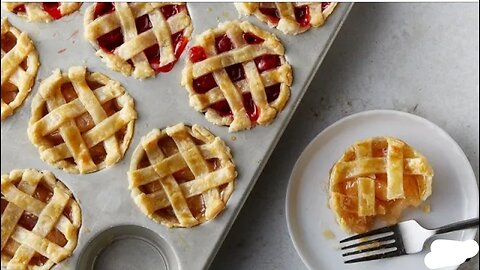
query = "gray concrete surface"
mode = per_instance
[{"x": 420, "y": 58}]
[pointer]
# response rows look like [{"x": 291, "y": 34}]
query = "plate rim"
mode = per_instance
[{"x": 469, "y": 234}]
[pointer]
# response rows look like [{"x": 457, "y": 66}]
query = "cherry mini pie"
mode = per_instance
[
  {"x": 237, "y": 75},
  {"x": 19, "y": 67},
  {"x": 42, "y": 11},
  {"x": 290, "y": 18},
  {"x": 81, "y": 122},
  {"x": 40, "y": 220},
  {"x": 139, "y": 39}
]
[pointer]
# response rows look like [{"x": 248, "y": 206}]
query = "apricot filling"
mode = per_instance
[
  {"x": 196, "y": 203},
  {"x": 85, "y": 122},
  {"x": 28, "y": 221}
]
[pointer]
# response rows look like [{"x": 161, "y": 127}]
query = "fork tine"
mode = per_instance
[
  {"x": 373, "y": 232},
  {"x": 391, "y": 245},
  {"x": 389, "y": 254},
  {"x": 381, "y": 239}
]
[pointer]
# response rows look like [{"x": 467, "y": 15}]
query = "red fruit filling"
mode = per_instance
[
  {"x": 223, "y": 44},
  {"x": 325, "y": 5},
  {"x": 302, "y": 15},
  {"x": 197, "y": 54},
  {"x": 271, "y": 13},
  {"x": 266, "y": 62},
  {"x": 250, "y": 38},
  {"x": 19, "y": 9},
  {"x": 52, "y": 8}
]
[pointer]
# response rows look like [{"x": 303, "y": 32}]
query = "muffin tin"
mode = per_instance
[{"x": 115, "y": 234}]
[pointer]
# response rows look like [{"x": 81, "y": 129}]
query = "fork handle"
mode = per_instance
[{"x": 469, "y": 223}]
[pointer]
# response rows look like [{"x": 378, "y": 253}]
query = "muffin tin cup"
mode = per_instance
[{"x": 115, "y": 234}]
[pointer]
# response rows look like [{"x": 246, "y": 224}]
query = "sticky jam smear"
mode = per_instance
[
  {"x": 236, "y": 72},
  {"x": 52, "y": 8},
  {"x": 114, "y": 39}
]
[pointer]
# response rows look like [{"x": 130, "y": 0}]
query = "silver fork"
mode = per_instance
[{"x": 406, "y": 237}]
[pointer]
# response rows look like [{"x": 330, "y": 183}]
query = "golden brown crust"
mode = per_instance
[
  {"x": 14, "y": 77},
  {"x": 164, "y": 157},
  {"x": 34, "y": 12},
  {"x": 287, "y": 22},
  {"x": 52, "y": 114},
  {"x": 130, "y": 58},
  {"x": 19, "y": 245},
  {"x": 377, "y": 176},
  {"x": 254, "y": 82}
]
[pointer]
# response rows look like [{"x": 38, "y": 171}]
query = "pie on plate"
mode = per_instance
[
  {"x": 40, "y": 220},
  {"x": 181, "y": 176},
  {"x": 379, "y": 176},
  {"x": 237, "y": 75},
  {"x": 81, "y": 122},
  {"x": 19, "y": 67},
  {"x": 289, "y": 17},
  {"x": 41, "y": 11},
  {"x": 139, "y": 39}
]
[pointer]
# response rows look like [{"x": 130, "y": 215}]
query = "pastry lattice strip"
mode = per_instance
[
  {"x": 61, "y": 117},
  {"x": 132, "y": 50},
  {"x": 254, "y": 81},
  {"x": 190, "y": 156},
  {"x": 50, "y": 216}
]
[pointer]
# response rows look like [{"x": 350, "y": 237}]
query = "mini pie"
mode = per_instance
[
  {"x": 139, "y": 39},
  {"x": 81, "y": 122},
  {"x": 41, "y": 11},
  {"x": 288, "y": 17},
  {"x": 19, "y": 67},
  {"x": 237, "y": 75},
  {"x": 380, "y": 176},
  {"x": 181, "y": 176},
  {"x": 40, "y": 220}
]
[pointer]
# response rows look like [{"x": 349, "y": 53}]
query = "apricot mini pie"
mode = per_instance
[
  {"x": 41, "y": 11},
  {"x": 139, "y": 39},
  {"x": 237, "y": 75},
  {"x": 40, "y": 220},
  {"x": 379, "y": 176},
  {"x": 19, "y": 67},
  {"x": 181, "y": 176},
  {"x": 289, "y": 17},
  {"x": 81, "y": 122}
]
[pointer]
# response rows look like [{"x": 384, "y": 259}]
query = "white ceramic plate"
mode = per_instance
[{"x": 454, "y": 196}]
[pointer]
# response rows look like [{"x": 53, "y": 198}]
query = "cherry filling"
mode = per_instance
[
  {"x": 52, "y": 8},
  {"x": 250, "y": 38},
  {"x": 197, "y": 54},
  {"x": 236, "y": 73},
  {"x": 223, "y": 44},
  {"x": 271, "y": 13},
  {"x": 110, "y": 41},
  {"x": 266, "y": 62},
  {"x": 103, "y": 8},
  {"x": 302, "y": 15},
  {"x": 325, "y": 5},
  {"x": 19, "y": 9}
]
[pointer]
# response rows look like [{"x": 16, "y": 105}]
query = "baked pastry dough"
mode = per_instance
[
  {"x": 81, "y": 122},
  {"x": 377, "y": 177},
  {"x": 40, "y": 220},
  {"x": 289, "y": 17},
  {"x": 237, "y": 75},
  {"x": 181, "y": 176},
  {"x": 41, "y": 11},
  {"x": 139, "y": 39},
  {"x": 19, "y": 67}
]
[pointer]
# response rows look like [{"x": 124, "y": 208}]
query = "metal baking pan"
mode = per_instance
[{"x": 115, "y": 234}]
